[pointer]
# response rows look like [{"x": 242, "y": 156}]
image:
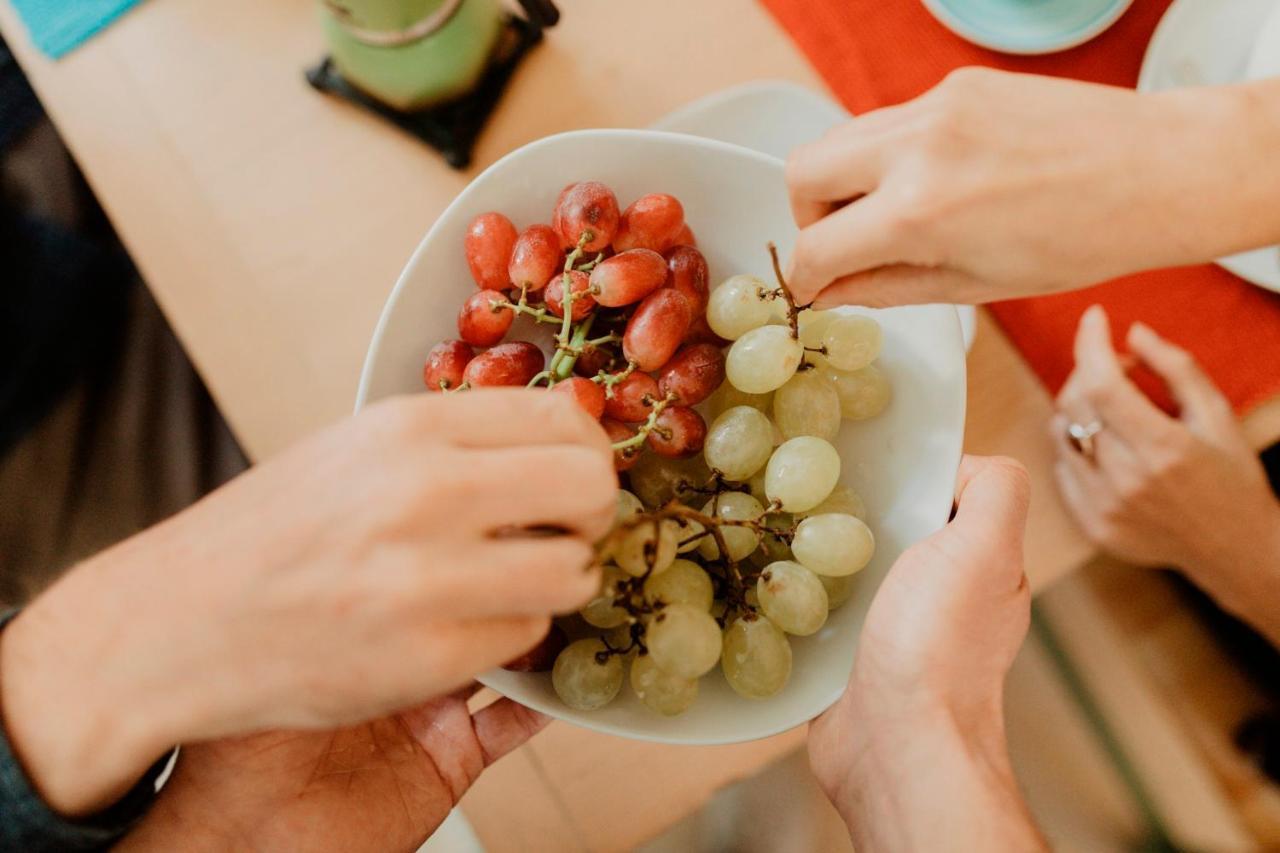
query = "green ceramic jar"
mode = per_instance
[{"x": 412, "y": 53}]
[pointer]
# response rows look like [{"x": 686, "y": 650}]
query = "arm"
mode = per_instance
[
  {"x": 913, "y": 755},
  {"x": 351, "y": 577},
  {"x": 1164, "y": 491},
  {"x": 996, "y": 185}
]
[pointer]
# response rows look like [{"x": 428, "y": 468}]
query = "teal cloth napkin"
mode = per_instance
[{"x": 60, "y": 26}]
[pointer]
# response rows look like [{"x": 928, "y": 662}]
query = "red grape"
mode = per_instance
[
  {"x": 685, "y": 237},
  {"x": 700, "y": 333},
  {"x": 650, "y": 222},
  {"x": 490, "y": 239},
  {"x": 692, "y": 374},
  {"x": 587, "y": 394},
  {"x": 583, "y": 304},
  {"x": 656, "y": 329},
  {"x": 479, "y": 323},
  {"x": 678, "y": 431},
  {"x": 535, "y": 258},
  {"x": 513, "y": 363},
  {"x": 687, "y": 273},
  {"x": 541, "y": 657},
  {"x": 628, "y": 277},
  {"x": 587, "y": 206},
  {"x": 592, "y": 361},
  {"x": 617, "y": 431},
  {"x": 445, "y": 364},
  {"x": 628, "y": 401}
]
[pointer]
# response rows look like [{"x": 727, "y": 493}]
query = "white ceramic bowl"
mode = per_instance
[{"x": 903, "y": 462}]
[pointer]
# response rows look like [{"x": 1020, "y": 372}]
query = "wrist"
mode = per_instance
[
  {"x": 80, "y": 721},
  {"x": 1209, "y": 169},
  {"x": 930, "y": 775},
  {"x": 1242, "y": 573}
]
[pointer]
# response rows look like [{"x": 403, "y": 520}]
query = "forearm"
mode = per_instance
[
  {"x": 1210, "y": 176},
  {"x": 84, "y": 720},
  {"x": 1243, "y": 576},
  {"x": 934, "y": 785}
]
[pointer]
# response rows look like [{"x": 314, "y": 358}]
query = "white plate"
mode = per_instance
[
  {"x": 772, "y": 117},
  {"x": 1207, "y": 43},
  {"x": 903, "y": 462}
]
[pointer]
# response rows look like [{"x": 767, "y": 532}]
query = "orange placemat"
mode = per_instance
[{"x": 878, "y": 52}]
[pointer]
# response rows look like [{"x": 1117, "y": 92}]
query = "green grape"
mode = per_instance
[
  {"x": 813, "y": 325},
  {"x": 852, "y": 341},
  {"x": 739, "y": 443},
  {"x": 741, "y": 541},
  {"x": 661, "y": 691},
  {"x": 834, "y": 544},
  {"x": 802, "y": 473},
  {"x": 839, "y": 590},
  {"x": 649, "y": 547},
  {"x": 842, "y": 499},
  {"x": 735, "y": 307},
  {"x": 628, "y": 506},
  {"x": 581, "y": 680},
  {"x": 755, "y": 486},
  {"x": 763, "y": 359},
  {"x": 807, "y": 405},
  {"x": 601, "y": 610},
  {"x": 684, "y": 640},
  {"x": 726, "y": 397},
  {"x": 689, "y": 532},
  {"x": 772, "y": 548},
  {"x": 684, "y": 583},
  {"x": 792, "y": 597},
  {"x": 620, "y": 638},
  {"x": 863, "y": 393},
  {"x": 756, "y": 658},
  {"x": 656, "y": 479}
]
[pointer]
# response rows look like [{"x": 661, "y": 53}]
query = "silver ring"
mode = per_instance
[{"x": 1080, "y": 437}]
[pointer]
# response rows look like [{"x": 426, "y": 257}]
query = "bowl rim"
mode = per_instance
[
  {"x": 688, "y": 140},
  {"x": 957, "y": 428}
]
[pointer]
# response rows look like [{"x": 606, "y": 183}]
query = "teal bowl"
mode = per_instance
[{"x": 1027, "y": 26}]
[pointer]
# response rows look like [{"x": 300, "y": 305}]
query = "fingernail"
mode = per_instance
[{"x": 1094, "y": 314}]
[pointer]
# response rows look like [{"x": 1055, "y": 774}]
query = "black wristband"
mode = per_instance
[{"x": 28, "y": 824}]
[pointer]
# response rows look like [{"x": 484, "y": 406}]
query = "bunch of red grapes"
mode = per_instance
[{"x": 626, "y": 292}]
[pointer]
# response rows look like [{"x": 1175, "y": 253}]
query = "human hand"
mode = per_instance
[
  {"x": 353, "y": 576},
  {"x": 381, "y": 785},
  {"x": 995, "y": 185},
  {"x": 1163, "y": 491},
  {"x": 913, "y": 755}
]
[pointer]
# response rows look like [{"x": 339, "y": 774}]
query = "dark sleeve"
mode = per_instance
[{"x": 27, "y": 823}]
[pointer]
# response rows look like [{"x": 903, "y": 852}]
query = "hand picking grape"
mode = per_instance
[{"x": 734, "y": 532}]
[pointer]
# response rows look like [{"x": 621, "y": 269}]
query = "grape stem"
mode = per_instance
[
  {"x": 609, "y": 380},
  {"x": 793, "y": 310},
  {"x": 650, "y": 425},
  {"x": 546, "y": 374},
  {"x": 562, "y": 362}
]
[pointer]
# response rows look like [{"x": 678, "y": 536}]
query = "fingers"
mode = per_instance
[
  {"x": 506, "y": 417},
  {"x": 503, "y": 726},
  {"x": 900, "y": 284},
  {"x": 857, "y": 237},
  {"x": 1101, "y": 382},
  {"x": 1194, "y": 391},
  {"x": 846, "y": 162},
  {"x": 534, "y": 577},
  {"x": 574, "y": 488}
]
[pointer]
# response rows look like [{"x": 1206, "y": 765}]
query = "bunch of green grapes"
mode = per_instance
[{"x": 718, "y": 559}]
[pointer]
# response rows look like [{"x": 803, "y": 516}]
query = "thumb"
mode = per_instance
[
  {"x": 986, "y": 535},
  {"x": 902, "y": 284}
]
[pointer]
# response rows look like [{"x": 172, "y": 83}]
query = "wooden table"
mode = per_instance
[{"x": 271, "y": 222}]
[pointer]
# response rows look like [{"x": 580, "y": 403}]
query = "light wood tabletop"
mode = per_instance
[{"x": 271, "y": 222}]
